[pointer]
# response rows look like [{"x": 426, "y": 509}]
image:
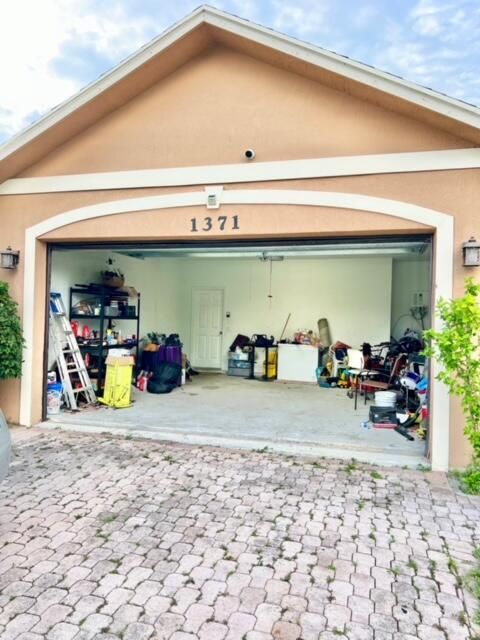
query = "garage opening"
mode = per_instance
[{"x": 303, "y": 346}]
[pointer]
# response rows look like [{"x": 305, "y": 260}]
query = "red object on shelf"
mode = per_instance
[
  {"x": 75, "y": 328},
  {"x": 86, "y": 331}
]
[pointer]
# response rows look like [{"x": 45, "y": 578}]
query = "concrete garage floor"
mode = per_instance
[{"x": 216, "y": 409}]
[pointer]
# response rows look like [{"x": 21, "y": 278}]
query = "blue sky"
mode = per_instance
[{"x": 66, "y": 44}]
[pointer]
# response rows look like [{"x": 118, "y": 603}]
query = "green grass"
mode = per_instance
[
  {"x": 110, "y": 518},
  {"x": 351, "y": 466},
  {"x": 469, "y": 480},
  {"x": 423, "y": 467},
  {"x": 338, "y": 632},
  {"x": 472, "y": 581},
  {"x": 452, "y": 566},
  {"x": 376, "y": 476},
  {"x": 462, "y": 618},
  {"x": 413, "y": 566}
]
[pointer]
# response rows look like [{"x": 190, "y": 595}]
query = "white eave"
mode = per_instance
[{"x": 356, "y": 71}]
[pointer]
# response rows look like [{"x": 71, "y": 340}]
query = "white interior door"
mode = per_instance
[{"x": 207, "y": 316}]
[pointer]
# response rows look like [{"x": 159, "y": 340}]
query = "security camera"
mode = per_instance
[{"x": 249, "y": 154}]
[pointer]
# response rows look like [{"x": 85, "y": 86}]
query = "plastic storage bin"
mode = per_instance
[
  {"x": 239, "y": 368},
  {"x": 54, "y": 398}
]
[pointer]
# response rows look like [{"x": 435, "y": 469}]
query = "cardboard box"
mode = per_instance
[{"x": 121, "y": 361}]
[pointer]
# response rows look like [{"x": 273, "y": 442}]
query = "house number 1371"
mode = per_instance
[{"x": 220, "y": 223}]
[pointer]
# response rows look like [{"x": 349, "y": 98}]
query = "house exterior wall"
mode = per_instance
[
  {"x": 208, "y": 112},
  {"x": 223, "y": 102}
]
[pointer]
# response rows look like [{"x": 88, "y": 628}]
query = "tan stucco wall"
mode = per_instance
[
  {"x": 224, "y": 102},
  {"x": 208, "y": 113},
  {"x": 451, "y": 192}
]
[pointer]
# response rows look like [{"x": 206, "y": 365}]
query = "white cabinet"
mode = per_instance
[{"x": 297, "y": 362}]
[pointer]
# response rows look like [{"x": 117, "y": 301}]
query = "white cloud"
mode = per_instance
[
  {"x": 365, "y": 16},
  {"x": 26, "y": 48},
  {"x": 49, "y": 49},
  {"x": 302, "y": 18},
  {"x": 32, "y": 36}
]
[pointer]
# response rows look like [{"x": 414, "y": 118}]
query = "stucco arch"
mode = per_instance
[{"x": 443, "y": 268}]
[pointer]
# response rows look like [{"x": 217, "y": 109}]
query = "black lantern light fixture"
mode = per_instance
[
  {"x": 9, "y": 258},
  {"x": 471, "y": 253}
]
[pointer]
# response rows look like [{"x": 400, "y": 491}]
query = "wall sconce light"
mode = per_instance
[
  {"x": 471, "y": 253},
  {"x": 9, "y": 259}
]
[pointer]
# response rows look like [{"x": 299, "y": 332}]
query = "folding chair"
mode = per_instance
[
  {"x": 356, "y": 370},
  {"x": 367, "y": 385}
]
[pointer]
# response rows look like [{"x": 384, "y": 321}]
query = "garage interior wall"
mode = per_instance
[
  {"x": 355, "y": 294},
  {"x": 409, "y": 277}
]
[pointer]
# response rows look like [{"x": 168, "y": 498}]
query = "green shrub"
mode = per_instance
[
  {"x": 470, "y": 480},
  {"x": 457, "y": 348},
  {"x": 11, "y": 336}
]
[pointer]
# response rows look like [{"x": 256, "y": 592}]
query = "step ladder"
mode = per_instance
[{"x": 68, "y": 355}]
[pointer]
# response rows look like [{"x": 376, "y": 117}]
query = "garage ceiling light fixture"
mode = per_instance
[
  {"x": 299, "y": 253},
  {"x": 272, "y": 257},
  {"x": 9, "y": 258},
  {"x": 215, "y": 254},
  {"x": 297, "y": 250},
  {"x": 471, "y": 253}
]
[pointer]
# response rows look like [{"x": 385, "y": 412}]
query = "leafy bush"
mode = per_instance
[
  {"x": 11, "y": 336},
  {"x": 457, "y": 348},
  {"x": 470, "y": 480}
]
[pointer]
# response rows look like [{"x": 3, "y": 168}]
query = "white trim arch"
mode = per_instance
[{"x": 443, "y": 267}]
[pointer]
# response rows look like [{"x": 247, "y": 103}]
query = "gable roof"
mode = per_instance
[{"x": 195, "y": 33}]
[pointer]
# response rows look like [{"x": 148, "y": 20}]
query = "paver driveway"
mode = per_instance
[{"x": 103, "y": 537}]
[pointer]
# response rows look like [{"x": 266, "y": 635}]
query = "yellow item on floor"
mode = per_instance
[
  {"x": 118, "y": 382},
  {"x": 272, "y": 365}
]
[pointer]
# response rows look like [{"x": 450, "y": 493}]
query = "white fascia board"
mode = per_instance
[
  {"x": 249, "y": 172},
  {"x": 455, "y": 109},
  {"x": 389, "y": 83}
]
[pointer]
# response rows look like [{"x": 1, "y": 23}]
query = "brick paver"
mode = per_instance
[{"x": 106, "y": 537}]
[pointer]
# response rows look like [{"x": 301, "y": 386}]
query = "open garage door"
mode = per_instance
[{"x": 207, "y": 307}]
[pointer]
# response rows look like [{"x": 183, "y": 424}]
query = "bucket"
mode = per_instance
[
  {"x": 385, "y": 398},
  {"x": 54, "y": 398}
]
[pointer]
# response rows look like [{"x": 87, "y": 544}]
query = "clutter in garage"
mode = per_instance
[{"x": 126, "y": 347}]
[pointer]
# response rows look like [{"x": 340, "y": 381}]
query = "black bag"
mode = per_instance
[
  {"x": 261, "y": 340},
  {"x": 240, "y": 341},
  {"x": 173, "y": 340},
  {"x": 165, "y": 377}
]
